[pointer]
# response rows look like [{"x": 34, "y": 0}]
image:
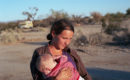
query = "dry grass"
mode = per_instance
[
  {"x": 21, "y": 35},
  {"x": 90, "y": 35},
  {"x": 9, "y": 36}
]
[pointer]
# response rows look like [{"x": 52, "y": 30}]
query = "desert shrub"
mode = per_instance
[
  {"x": 45, "y": 22},
  {"x": 111, "y": 28},
  {"x": 104, "y": 24},
  {"x": 112, "y": 17},
  {"x": 9, "y": 36},
  {"x": 128, "y": 11},
  {"x": 81, "y": 41},
  {"x": 117, "y": 26},
  {"x": 77, "y": 19},
  {"x": 111, "y": 22},
  {"x": 41, "y": 23},
  {"x": 85, "y": 20},
  {"x": 95, "y": 39},
  {"x": 122, "y": 37},
  {"x": 56, "y": 15},
  {"x": 10, "y": 25},
  {"x": 128, "y": 36},
  {"x": 96, "y": 16}
]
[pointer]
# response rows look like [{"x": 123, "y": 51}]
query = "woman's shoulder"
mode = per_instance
[
  {"x": 73, "y": 52},
  {"x": 42, "y": 49}
]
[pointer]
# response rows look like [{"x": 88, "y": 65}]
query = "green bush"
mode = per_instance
[{"x": 111, "y": 28}]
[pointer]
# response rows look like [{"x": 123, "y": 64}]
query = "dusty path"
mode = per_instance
[
  {"x": 102, "y": 63},
  {"x": 14, "y": 61}
]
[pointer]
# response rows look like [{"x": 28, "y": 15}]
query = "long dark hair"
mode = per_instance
[{"x": 59, "y": 26}]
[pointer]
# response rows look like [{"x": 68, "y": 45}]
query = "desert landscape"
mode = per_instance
[
  {"x": 105, "y": 61},
  {"x": 101, "y": 37}
]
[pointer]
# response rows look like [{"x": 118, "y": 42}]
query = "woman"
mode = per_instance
[{"x": 60, "y": 37}]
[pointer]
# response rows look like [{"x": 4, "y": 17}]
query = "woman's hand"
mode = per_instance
[{"x": 64, "y": 74}]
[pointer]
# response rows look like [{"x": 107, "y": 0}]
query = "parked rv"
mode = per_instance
[{"x": 26, "y": 24}]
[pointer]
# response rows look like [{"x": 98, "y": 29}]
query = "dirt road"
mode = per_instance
[{"x": 102, "y": 62}]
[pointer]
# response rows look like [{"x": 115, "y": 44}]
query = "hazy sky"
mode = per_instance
[{"x": 11, "y": 10}]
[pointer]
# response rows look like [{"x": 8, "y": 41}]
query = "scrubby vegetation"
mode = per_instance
[
  {"x": 9, "y": 25},
  {"x": 117, "y": 25},
  {"x": 114, "y": 24},
  {"x": 10, "y": 36}
]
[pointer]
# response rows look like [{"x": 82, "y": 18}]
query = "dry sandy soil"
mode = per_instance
[{"x": 103, "y": 62}]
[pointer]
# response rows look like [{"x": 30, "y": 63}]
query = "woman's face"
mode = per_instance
[{"x": 62, "y": 40}]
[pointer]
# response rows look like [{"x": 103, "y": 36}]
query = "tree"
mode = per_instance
[
  {"x": 58, "y": 14},
  {"x": 128, "y": 11},
  {"x": 111, "y": 22},
  {"x": 77, "y": 18},
  {"x": 114, "y": 17},
  {"x": 96, "y": 16},
  {"x": 31, "y": 14}
]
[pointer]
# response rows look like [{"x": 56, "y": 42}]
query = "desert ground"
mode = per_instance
[{"x": 103, "y": 62}]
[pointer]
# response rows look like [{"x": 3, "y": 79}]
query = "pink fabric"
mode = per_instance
[{"x": 62, "y": 64}]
